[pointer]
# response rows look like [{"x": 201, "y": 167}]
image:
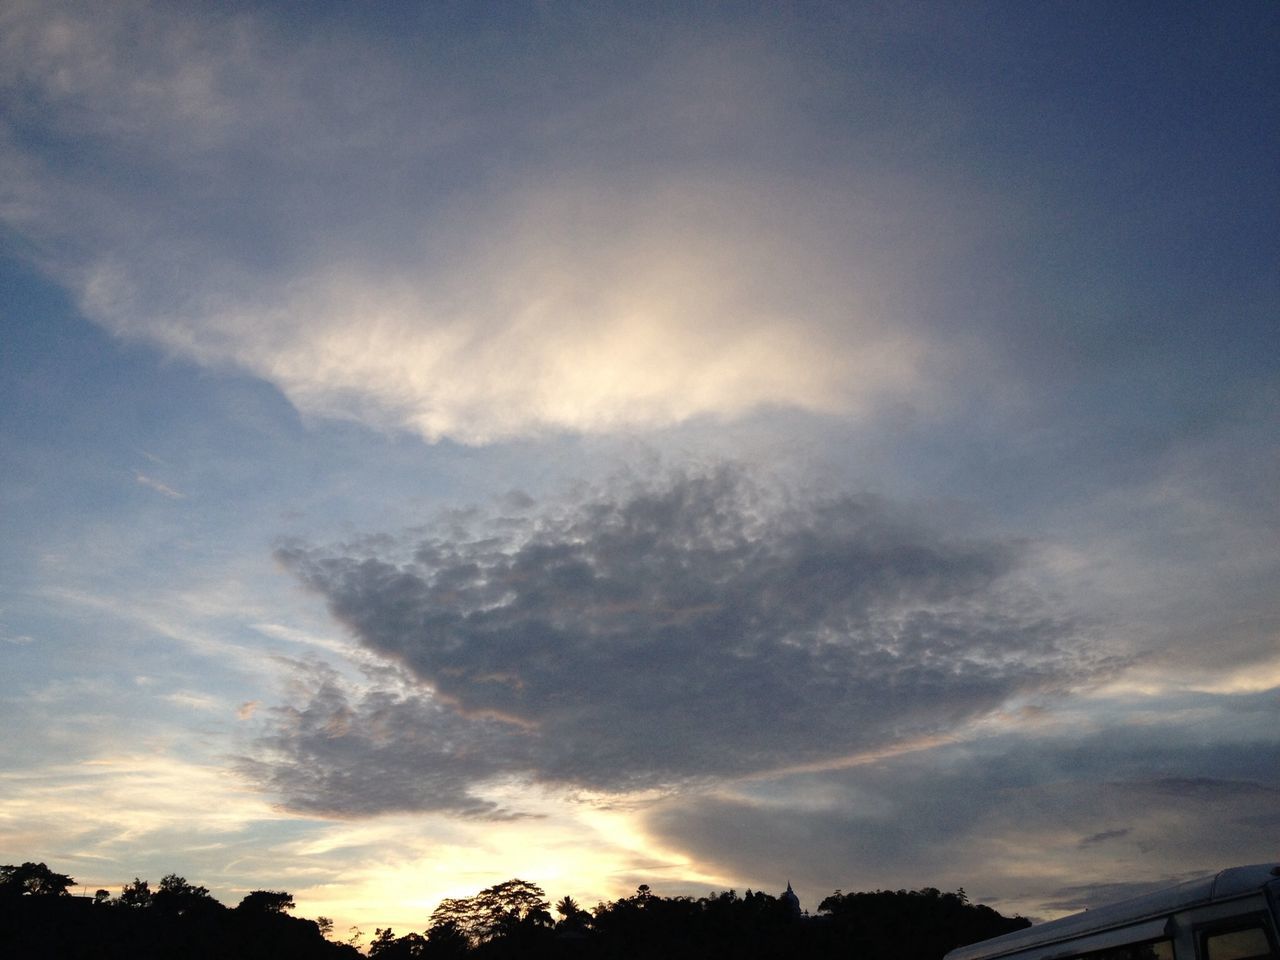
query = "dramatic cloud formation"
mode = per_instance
[
  {"x": 1004, "y": 271},
  {"x": 654, "y": 634}
]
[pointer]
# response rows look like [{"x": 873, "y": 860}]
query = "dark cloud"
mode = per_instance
[
  {"x": 1084, "y": 896},
  {"x": 1052, "y": 822},
  {"x": 346, "y": 755},
  {"x": 654, "y": 634},
  {"x": 1104, "y": 836}
]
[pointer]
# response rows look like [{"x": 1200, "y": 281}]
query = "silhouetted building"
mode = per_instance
[{"x": 789, "y": 897}]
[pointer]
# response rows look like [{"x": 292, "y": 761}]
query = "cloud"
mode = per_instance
[
  {"x": 1104, "y": 836},
  {"x": 1077, "y": 897},
  {"x": 1043, "y": 822},
  {"x": 383, "y": 752},
  {"x": 158, "y": 486},
  {"x": 193, "y": 700},
  {"x": 650, "y": 634},
  {"x": 482, "y": 276}
]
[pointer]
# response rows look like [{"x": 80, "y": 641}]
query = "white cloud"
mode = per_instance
[
  {"x": 584, "y": 319},
  {"x": 193, "y": 700},
  {"x": 158, "y": 486},
  {"x": 597, "y": 297}
]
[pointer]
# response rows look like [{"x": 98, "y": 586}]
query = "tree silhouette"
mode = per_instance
[
  {"x": 387, "y": 946},
  {"x": 39, "y": 921},
  {"x": 445, "y": 941},
  {"x": 573, "y": 919},
  {"x": 267, "y": 901},
  {"x": 176, "y": 896},
  {"x": 888, "y": 925},
  {"x": 506, "y": 909},
  {"x": 135, "y": 894},
  {"x": 33, "y": 880}
]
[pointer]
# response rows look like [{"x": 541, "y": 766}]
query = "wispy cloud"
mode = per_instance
[
  {"x": 158, "y": 486},
  {"x": 417, "y": 298},
  {"x": 1104, "y": 836},
  {"x": 194, "y": 700}
]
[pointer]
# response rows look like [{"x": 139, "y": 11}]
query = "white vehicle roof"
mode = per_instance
[{"x": 1224, "y": 885}]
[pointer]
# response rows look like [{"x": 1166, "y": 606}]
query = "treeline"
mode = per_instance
[{"x": 39, "y": 919}]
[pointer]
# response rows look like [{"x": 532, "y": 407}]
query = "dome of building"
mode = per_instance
[{"x": 789, "y": 897}]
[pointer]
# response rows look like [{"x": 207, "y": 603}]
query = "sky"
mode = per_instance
[{"x": 698, "y": 445}]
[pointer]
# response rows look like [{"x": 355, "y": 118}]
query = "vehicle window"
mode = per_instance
[{"x": 1245, "y": 944}]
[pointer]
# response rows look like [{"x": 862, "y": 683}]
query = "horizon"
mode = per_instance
[{"x": 713, "y": 448}]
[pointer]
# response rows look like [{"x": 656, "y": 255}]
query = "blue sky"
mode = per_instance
[{"x": 610, "y": 445}]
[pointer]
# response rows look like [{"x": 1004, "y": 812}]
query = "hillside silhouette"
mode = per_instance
[{"x": 40, "y": 919}]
